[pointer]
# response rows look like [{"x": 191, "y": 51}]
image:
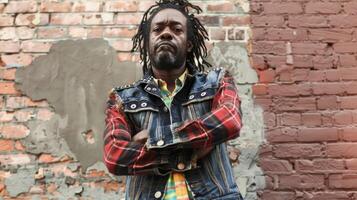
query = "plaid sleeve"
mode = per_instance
[
  {"x": 121, "y": 155},
  {"x": 221, "y": 124}
]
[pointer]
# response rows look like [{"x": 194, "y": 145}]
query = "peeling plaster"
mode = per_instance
[
  {"x": 75, "y": 77},
  {"x": 21, "y": 181},
  {"x": 234, "y": 57}
]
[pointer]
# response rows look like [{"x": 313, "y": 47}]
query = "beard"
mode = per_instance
[{"x": 166, "y": 60}]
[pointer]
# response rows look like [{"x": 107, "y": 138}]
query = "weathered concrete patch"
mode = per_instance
[
  {"x": 234, "y": 57},
  {"x": 75, "y": 78},
  {"x": 21, "y": 181}
]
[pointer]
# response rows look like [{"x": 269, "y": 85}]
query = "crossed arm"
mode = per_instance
[{"x": 124, "y": 156}]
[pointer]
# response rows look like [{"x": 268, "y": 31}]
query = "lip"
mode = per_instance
[{"x": 165, "y": 44}]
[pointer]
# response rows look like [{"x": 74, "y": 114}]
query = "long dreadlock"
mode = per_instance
[{"x": 196, "y": 33}]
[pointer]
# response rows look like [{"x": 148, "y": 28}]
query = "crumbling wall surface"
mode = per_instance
[
  {"x": 305, "y": 55},
  {"x": 59, "y": 60}
]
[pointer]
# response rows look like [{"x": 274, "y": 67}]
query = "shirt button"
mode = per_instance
[
  {"x": 149, "y": 88},
  {"x": 154, "y": 89},
  {"x": 191, "y": 96},
  {"x": 181, "y": 166},
  {"x": 132, "y": 106},
  {"x": 166, "y": 109},
  {"x": 157, "y": 194},
  {"x": 144, "y": 104},
  {"x": 203, "y": 94},
  {"x": 160, "y": 143}
]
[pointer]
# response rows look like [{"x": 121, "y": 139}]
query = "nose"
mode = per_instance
[{"x": 166, "y": 34}]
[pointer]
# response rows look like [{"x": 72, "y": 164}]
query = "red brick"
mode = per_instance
[
  {"x": 267, "y": 47},
  {"x": 128, "y": 18},
  {"x": 6, "y": 116},
  {"x": 87, "y": 6},
  {"x": 24, "y": 115},
  {"x": 15, "y": 159},
  {"x": 323, "y": 8},
  {"x": 330, "y": 35},
  {"x": 17, "y": 60},
  {"x": 303, "y": 61},
  {"x": 121, "y": 6},
  {"x": 8, "y": 88},
  {"x": 122, "y": 45},
  {"x": 6, "y": 145},
  {"x": 276, "y": 166},
  {"x": 324, "y": 62},
  {"x": 79, "y": 32},
  {"x": 266, "y": 76},
  {"x": 344, "y": 117},
  {"x": 267, "y": 21},
  {"x": 295, "y": 104},
  {"x": 298, "y": 150},
  {"x": 21, "y": 7},
  {"x": 269, "y": 119},
  {"x": 36, "y": 46},
  {"x": 217, "y": 34},
  {"x": 348, "y": 102},
  {"x": 66, "y": 19},
  {"x": 44, "y": 114},
  {"x": 289, "y": 119},
  {"x": 236, "y": 34},
  {"x": 286, "y": 34},
  {"x": 317, "y": 134},
  {"x": 301, "y": 181},
  {"x": 260, "y": 89},
  {"x": 319, "y": 165},
  {"x": 144, "y": 5},
  {"x": 53, "y": 7},
  {"x": 289, "y": 90},
  {"x": 277, "y": 195},
  {"x": 25, "y": 32},
  {"x": 14, "y": 131},
  {"x": 309, "y": 48},
  {"x": 345, "y": 47},
  {"x": 282, "y": 7},
  {"x": 348, "y": 60},
  {"x": 349, "y": 134},
  {"x": 8, "y": 74},
  {"x": 333, "y": 75},
  {"x": 311, "y": 119},
  {"x": 330, "y": 195},
  {"x": 235, "y": 20},
  {"x": 342, "y": 21},
  {"x": 22, "y": 102},
  {"x": 6, "y": 20},
  {"x": 97, "y": 19},
  {"x": 29, "y": 19},
  {"x": 316, "y": 76},
  {"x": 300, "y": 75},
  {"x": 9, "y": 46},
  {"x": 8, "y": 33},
  {"x": 119, "y": 32},
  {"x": 224, "y": 6},
  {"x": 327, "y": 102},
  {"x": 343, "y": 181},
  {"x": 351, "y": 164},
  {"x": 95, "y": 32},
  {"x": 349, "y": 73},
  {"x": 350, "y": 7},
  {"x": 351, "y": 87},
  {"x": 307, "y": 21},
  {"x": 286, "y": 134},
  {"x": 51, "y": 32},
  {"x": 328, "y": 88},
  {"x": 209, "y": 20},
  {"x": 338, "y": 150}
]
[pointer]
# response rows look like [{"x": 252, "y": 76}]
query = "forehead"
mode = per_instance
[{"x": 169, "y": 15}]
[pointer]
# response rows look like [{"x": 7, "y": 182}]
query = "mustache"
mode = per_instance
[{"x": 165, "y": 43}]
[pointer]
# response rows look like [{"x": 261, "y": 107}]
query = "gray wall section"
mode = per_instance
[{"x": 75, "y": 78}]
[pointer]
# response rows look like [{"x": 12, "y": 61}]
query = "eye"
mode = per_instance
[
  {"x": 156, "y": 29},
  {"x": 178, "y": 29}
]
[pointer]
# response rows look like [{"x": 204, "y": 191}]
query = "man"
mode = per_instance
[{"x": 168, "y": 130}]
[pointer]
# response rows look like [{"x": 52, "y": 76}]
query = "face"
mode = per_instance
[{"x": 168, "y": 45}]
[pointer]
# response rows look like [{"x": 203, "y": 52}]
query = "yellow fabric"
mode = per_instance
[{"x": 176, "y": 187}]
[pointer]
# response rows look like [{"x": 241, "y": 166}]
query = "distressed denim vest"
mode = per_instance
[{"x": 212, "y": 177}]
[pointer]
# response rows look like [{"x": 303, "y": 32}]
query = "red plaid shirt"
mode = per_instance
[{"x": 124, "y": 156}]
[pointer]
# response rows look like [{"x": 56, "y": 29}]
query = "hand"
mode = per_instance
[{"x": 141, "y": 137}]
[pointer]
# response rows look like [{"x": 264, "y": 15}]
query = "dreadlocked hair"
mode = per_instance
[{"x": 196, "y": 34}]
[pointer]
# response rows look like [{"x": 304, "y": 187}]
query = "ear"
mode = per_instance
[{"x": 189, "y": 46}]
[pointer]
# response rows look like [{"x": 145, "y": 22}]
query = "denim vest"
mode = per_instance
[{"x": 212, "y": 176}]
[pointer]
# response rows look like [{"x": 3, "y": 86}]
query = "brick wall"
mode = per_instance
[
  {"x": 28, "y": 28},
  {"x": 305, "y": 54}
]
